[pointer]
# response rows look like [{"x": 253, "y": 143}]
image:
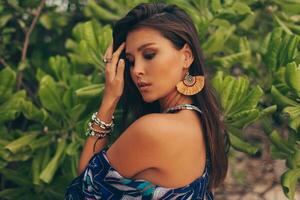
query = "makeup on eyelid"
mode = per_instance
[{"x": 148, "y": 55}]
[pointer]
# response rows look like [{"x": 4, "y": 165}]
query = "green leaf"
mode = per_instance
[
  {"x": 239, "y": 90},
  {"x": 241, "y": 8},
  {"x": 249, "y": 101},
  {"x": 288, "y": 49},
  {"x": 244, "y": 118},
  {"x": 293, "y": 160},
  {"x": 280, "y": 143},
  {"x": 50, "y": 121},
  {"x": 90, "y": 91},
  {"x": 40, "y": 142},
  {"x": 4, "y": 19},
  {"x": 19, "y": 157},
  {"x": 277, "y": 153},
  {"x": 289, "y": 182},
  {"x": 21, "y": 142},
  {"x": 40, "y": 74},
  {"x": 104, "y": 39},
  {"x": 14, "y": 193},
  {"x": 100, "y": 12},
  {"x": 243, "y": 146},
  {"x": 279, "y": 78},
  {"x": 32, "y": 112},
  {"x": 16, "y": 177},
  {"x": 74, "y": 164},
  {"x": 36, "y": 167},
  {"x": 282, "y": 25},
  {"x": 48, "y": 173},
  {"x": 12, "y": 107},
  {"x": 273, "y": 49},
  {"x": 230, "y": 60},
  {"x": 290, "y": 6},
  {"x": 244, "y": 46},
  {"x": 46, "y": 21},
  {"x": 292, "y": 48},
  {"x": 292, "y": 76},
  {"x": 50, "y": 96},
  {"x": 228, "y": 85},
  {"x": 295, "y": 124},
  {"x": 113, "y": 5},
  {"x": 269, "y": 110},
  {"x": 89, "y": 54},
  {"x": 7, "y": 83},
  {"x": 77, "y": 32},
  {"x": 89, "y": 35},
  {"x": 69, "y": 98},
  {"x": 46, "y": 157},
  {"x": 282, "y": 99},
  {"x": 215, "y": 5},
  {"x": 217, "y": 81},
  {"x": 293, "y": 111},
  {"x": 61, "y": 68},
  {"x": 76, "y": 111},
  {"x": 72, "y": 148},
  {"x": 71, "y": 45},
  {"x": 216, "y": 41}
]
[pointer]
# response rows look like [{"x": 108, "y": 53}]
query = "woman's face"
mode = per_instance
[{"x": 155, "y": 61}]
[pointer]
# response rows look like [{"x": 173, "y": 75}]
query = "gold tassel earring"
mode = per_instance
[{"x": 190, "y": 85}]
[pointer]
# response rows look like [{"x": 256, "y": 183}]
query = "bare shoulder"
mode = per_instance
[
  {"x": 157, "y": 125},
  {"x": 147, "y": 142}
]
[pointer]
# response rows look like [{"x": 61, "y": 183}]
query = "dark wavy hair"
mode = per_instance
[{"x": 177, "y": 26}]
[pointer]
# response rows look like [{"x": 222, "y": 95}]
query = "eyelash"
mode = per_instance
[{"x": 148, "y": 56}]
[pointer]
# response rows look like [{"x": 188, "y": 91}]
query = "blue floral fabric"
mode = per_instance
[{"x": 101, "y": 181}]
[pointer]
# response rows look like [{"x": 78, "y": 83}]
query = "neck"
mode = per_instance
[{"x": 174, "y": 99}]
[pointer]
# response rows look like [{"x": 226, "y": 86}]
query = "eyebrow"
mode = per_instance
[{"x": 142, "y": 47}]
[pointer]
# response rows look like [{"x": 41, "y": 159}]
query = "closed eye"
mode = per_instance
[{"x": 149, "y": 56}]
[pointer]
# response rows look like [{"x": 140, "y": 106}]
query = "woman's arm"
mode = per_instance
[
  {"x": 105, "y": 113},
  {"x": 114, "y": 85}
]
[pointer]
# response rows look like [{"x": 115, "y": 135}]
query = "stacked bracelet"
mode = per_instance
[
  {"x": 108, "y": 127},
  {"x": 101, "y": 123}
]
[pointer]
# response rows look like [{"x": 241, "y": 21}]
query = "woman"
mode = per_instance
[{"x": 176, "y": 146}]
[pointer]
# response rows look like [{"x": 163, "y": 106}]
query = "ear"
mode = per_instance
[{"x": 187, "y": 55}]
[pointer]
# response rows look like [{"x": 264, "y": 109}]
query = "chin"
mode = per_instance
[{"x": 148, "y": 99}]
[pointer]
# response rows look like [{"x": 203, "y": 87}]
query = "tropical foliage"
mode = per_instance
[{"x": 52, "y": 79}]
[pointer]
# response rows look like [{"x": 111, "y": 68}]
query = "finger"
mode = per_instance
[
  {"x": 116, "y": 54},
  {"x": 120, "y": 69},
  {"x": 108, "y": 55},
  {"x": 109, "y": 51}
]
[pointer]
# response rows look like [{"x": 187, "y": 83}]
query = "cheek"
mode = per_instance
[
  {"x": 170, "y": 69},
  {"x": 166, "y": 78}
]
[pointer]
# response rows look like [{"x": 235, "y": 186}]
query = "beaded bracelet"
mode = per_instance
[
  {"x": 101, "y": 134},
  {"x": 108, "y": 128},
  {"x": 102, "y": 123}
]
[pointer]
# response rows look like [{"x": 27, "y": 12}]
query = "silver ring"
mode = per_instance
[{"x": 106, "y": 60}]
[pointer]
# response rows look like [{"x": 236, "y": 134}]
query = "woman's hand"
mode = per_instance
[{"x": 114, "y": 73}]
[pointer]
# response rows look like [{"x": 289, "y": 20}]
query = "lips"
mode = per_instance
[{"x": 143, "y": 84}]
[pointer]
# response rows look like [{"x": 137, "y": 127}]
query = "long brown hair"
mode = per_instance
[{"x": 177, "y": 26}]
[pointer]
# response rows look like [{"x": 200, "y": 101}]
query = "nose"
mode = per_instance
[{"x": 138, "y": 69}]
